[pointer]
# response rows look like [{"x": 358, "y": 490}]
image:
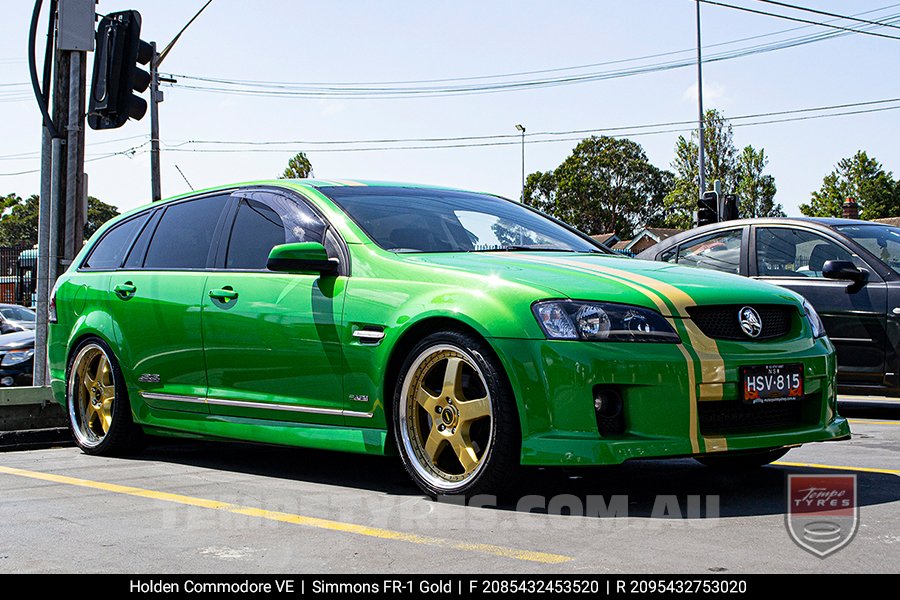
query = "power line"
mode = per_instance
[
  {"x": 481, "y": 143},
  {"x": 828, "y": 14},
  {"x": 129, "y": 152},
  {"x": 799, "y": 20},
  {"x": 517, "y": 135},
  {"x": 254, "y": 82},
  {"x": 630, "y": 131},
  {"x": 389, "y": 91}
]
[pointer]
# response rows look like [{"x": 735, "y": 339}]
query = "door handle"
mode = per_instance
[
  {"x": 224, "y": 294},
  {"x": 125, "y": 290}
]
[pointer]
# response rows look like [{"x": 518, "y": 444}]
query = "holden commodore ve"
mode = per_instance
[{"x": 468, "y": 333}]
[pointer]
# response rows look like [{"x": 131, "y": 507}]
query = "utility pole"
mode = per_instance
[
  {"x": 702, "y": 143},
  {"x": 61, "y": 213},
  {"x": 156, "y": 97},
  {"x": 521, "y": 129}
]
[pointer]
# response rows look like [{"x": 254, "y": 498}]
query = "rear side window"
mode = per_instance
[
  {"x": 110, "y": 251},
  {"x": 719, "y": 252},
  {"x": 183, "y": 237},
  {"x": 265, "y": 220}
]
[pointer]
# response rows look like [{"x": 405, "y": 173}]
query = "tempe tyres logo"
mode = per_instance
[{"x": 822, "y": 512}]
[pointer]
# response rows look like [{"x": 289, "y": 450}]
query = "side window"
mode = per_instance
[
  {"x": 719, "y": 251},
  {"x": 183, "y": 237},
  {"x": 782, "y": 252},
  {"x": 257, "y": 229},
  {"x": 265, "y": 220},
  {"x": 110, "y": 251}
]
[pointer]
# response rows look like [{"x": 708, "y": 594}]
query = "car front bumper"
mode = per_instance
[{"x": 676, "y": 401}]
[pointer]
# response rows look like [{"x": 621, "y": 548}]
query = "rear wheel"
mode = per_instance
[
  {"x": 743, "y": 459},
  {"x": 455, "y": 420},
  {"x": 97, "y": 402}
]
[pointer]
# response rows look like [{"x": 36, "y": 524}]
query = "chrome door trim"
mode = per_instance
[{"x": 258, "y": 405}]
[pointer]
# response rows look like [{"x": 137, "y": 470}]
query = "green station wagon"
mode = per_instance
[{"x": 468, "y": 333}]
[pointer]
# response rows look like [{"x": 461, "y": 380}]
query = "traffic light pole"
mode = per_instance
[{"x": 155, "y": 99}]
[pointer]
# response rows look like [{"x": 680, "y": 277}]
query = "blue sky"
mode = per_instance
[{"x": 355, "y": 41}]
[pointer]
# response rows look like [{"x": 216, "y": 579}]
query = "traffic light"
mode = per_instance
[
  {"x": 730, "y": 208},
  {"x": 708, "y": 209},
  {"x": 116, "y": 74}
]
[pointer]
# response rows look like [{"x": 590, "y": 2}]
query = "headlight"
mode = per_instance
[
  {"x": 815, "y": 321},
  {"x": 14, "y": 357},
  {"x": 602, "y": 321}
]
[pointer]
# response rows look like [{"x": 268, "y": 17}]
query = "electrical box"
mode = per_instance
[{"x": 76, "y": 25}]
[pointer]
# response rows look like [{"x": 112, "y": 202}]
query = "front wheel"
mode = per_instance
[
  {"x": 742, "y": 459},
  {"x": 454, "y": 417},
  {"x": 97, "y": 401}
]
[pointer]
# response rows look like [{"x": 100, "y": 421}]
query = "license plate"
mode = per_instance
[{"x": 772, "y": 383}]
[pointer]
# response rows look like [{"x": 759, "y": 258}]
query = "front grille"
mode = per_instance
[
  {"x": 721, "y": 322},
  {"x": 736, "y": 417}
]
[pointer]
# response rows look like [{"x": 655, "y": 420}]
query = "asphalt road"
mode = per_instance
[{"x": 215, "y": 507}]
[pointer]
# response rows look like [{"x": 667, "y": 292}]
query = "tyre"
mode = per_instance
[
  {"x": 742, "y": 459},
  {"x": 454, "y": 418},
  {"x": 97, "y": 401}
]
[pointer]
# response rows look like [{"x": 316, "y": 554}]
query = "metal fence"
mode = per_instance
[{"x": 17, "y": 275}]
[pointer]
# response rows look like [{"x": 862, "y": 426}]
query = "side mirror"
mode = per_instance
[
  {"x": 845, "y": 270},
  {"x": 301, "y": 257}
]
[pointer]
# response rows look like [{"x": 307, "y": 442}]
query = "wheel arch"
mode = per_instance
[{"x": 411, "y": 336}]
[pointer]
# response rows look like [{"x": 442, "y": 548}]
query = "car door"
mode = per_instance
[
  {"x": 155, "y": 302},
  {"x": 271, "y": 340},
  {"x": 855, "y": 319}
]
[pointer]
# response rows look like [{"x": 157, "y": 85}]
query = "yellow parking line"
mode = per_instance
[
  {"x": 868, "y": 422},
  {"x": 385, "y": 534},
  {"x": 838, "y": 467}
]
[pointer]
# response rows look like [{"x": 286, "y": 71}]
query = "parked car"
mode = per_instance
[
  {"x": 15, "y": 318},
  {"x": 16, "y": 358},
  {"x": 848, "y": 269},
  {"x": 469, "y": 333}
]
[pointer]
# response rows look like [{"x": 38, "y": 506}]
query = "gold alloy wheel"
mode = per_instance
[
  {"x": 92, "y": 391},
  {"x": 446, "y": 416}
]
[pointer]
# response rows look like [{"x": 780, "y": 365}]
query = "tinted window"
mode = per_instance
[
  {"x": 17, "y": 313},
  {"x": 110, "y": 251},
  {"x": 881, "y": 240},
  {"x": 667, "y": 256},
  {"x": 184, "y": 234},
  {"x": 782, "y": 252},
  {"x": 265, "y": 220},
  {"x": 719, "y": 252},
  {"x": 433, "y": 220},
  {"x": 257, "y": 229}
]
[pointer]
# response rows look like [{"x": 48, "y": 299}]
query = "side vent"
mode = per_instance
[{"x": 369, "y": 335}]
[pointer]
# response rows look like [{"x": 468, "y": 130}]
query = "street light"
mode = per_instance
[{"x": 521, "y": 128}]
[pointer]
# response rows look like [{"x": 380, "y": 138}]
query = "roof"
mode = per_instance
[
  {"x": 621, "y": 245},
  {"x": 893, "y": 221},
  {"x": 606, "y": 238},
  {"x": 660, "y": 233}
]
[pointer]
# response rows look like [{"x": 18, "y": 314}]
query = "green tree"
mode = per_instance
[
  {"x": 298, "y": 167},
  {"x": 606, "y": 184},
  {"x": 740, "y": 174},
  {"x": 19, "y": 220},
  {"x": 756, "y": 189},
  {"x": 861, "y": 178},
  {"x": 98, "y": 213}
]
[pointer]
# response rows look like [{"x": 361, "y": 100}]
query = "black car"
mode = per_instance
[
  {"x": 848, "y": 269},
  {"x": 16, "y": 358}
]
